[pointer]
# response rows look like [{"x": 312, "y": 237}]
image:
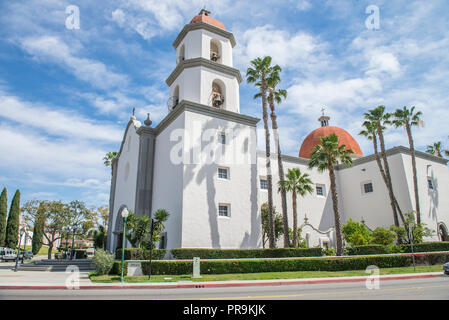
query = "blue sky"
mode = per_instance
[{"x": 66, "y": 95}]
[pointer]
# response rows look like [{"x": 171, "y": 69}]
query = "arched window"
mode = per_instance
[
  {"x": 215, "y": 50},
  {"x": 181, "y": 55},
  {"x": 218, "y": 94},
  {"x": 176, "y": 96},
  {"x": 443, "y": 234}
]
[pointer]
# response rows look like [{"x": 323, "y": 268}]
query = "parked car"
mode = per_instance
[
  {"x": 7, "y": 254},
  {"x": 27, "y": 255},
  {"x": 446, "y": 268}
]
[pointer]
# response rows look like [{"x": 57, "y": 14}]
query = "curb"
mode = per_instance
[{"x": 218, "y": 285}]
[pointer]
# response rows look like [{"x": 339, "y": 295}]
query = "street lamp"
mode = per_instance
[
  {"x": 125, "y": 214},
  {"x": 24, "y": 245},
  {"x": 75, "y": 225},
  {"x": 67, "y": 243},
  {"x": 18, "y": 251}
]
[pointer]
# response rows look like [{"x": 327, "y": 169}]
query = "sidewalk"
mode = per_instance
[{"x": 57, "y": 280}]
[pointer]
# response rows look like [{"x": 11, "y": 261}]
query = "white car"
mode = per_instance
[{"x": 7, "y": 254}]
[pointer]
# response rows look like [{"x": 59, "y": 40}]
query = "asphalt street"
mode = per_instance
[{"x": 415, "y": 289}]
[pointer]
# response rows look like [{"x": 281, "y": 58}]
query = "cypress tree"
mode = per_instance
[
  {"x": 3, "y": 215},
  {"x": 12, "y": 227},
  {"x": 38, "y": 230}
]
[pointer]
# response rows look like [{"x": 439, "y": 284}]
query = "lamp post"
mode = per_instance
[
  {"x": 67, "y": 243},
  {"x": 125, "y": 214},
  {"x": 18, "y": 251},
  {"x": 73, "y": 241},
  {"x": 410, "y": 236},
  {"x": 24, "y": 246}
]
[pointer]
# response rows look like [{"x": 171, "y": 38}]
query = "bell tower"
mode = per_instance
[{"x": 204, "y": 72}]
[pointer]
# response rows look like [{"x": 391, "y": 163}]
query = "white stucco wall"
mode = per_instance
[
  {"x": 168, "y": 182},
  {"x": 126, "y": 180},
  {"x": 203, "y": 191},
  {"x": 317, "y": 208}
]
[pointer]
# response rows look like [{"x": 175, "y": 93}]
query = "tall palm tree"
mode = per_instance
[
  {"x": 326, "y": 156},
  {"x": 379, "y": 118},
  {"x": 107, "y": 159},
  {"x": 370, "y": 132},
  {"x": 436, "y": 149},
  {"x": 298, "y": 184},
  {"x": 276, "y": 96},
  {"x": 258, "y": 72},
  {"x": 408, "y": 118}
]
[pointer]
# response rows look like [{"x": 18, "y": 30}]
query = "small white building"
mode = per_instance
[{"x": 201, "y": 163}]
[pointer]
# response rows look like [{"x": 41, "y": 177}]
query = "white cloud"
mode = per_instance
[
  {"x": 299, "y": 50},
  {"x": 54, "y": 50},
  {"x": 56, "y": 122}
]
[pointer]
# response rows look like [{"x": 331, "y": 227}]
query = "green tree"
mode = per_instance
[
  {"x": 139, "y": 228},
  {"x": 258, "y": 72},
  {"x": 325, "y": 157},
  {"x": 12, "y": 226},
  {"x": 278, "y": 224},
  {"x": 437, "y": 150},
  {"x": 412, "y": 231},
  {"x": 356, "y": 233},
  {"x": 378, "y": 119},
  {"x": 408, "y": 118},
  {"x": 38, "y": 230},
  {"x": 301, "y": 242},
  {"x": 3, "y": 216},
  {"x": 383, "y": 237},
  {"x": 107, "y": 159},
  {"x": 298, "y": 184},
  {"x": 159, "y": 218}
]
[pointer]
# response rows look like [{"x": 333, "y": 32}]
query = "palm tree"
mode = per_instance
[
  {"x": 325, "y": 157},
  {"x": 436, "y": 150},
  {"x": 408, "y": 118},
  {"x": 258, "y": 73},
  {"x": 379, "y": 119},
  {"x": 296, "y": 183},
  {"x": 274, "y": 95}
]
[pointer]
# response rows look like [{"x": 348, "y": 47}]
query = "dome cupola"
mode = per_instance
[{"x": 313, "y": 139}]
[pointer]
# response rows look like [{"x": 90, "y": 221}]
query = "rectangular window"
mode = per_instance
[
  {"x": 320, "y": 190},
  {"x": 368, "y": 187},
  {"x": 263, "y": 184},
  {"x": 223, "y": 173},
  {"x": 223, "y": 210},
  {"x": 222, "y": 138},
  {"x": 430, "y": 183}
]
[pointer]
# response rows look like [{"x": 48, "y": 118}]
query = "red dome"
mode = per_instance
[
  {"x": 313, "y": 139},
  {"x": 203, "y": 16}
]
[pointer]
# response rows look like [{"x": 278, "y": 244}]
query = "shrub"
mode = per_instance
[
  {"x": 364, "y": 250},
  {"x": 103, "y": 261},
  {"x": 174, "y": 267},
  {"x": 426, "y": 247},
  {"x": 330, "y": 252},
  {"x": 140, "y": 254},
  {"x": 246, "y": 253},
  {"x": 382, "y": 236},
  {"x": 355, "y": 233}
]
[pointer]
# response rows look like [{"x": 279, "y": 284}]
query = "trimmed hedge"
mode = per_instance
[
  {"x": 283, "y": 265},
  {"x": 140, "y": 254},
  {"x": 426, "y": 247},
  {"x": 187, "y": 254},
  {"x": 364, "y": 250}
]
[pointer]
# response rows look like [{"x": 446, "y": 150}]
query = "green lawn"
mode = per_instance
[
  {"x": 42, "y": 252},
  {"x": 261, "y": 276}
]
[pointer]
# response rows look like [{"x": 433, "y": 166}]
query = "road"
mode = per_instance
[{"x": 415, "y": 289}]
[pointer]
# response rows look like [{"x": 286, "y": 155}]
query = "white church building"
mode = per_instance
[{"x": 201, "y": 164}]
